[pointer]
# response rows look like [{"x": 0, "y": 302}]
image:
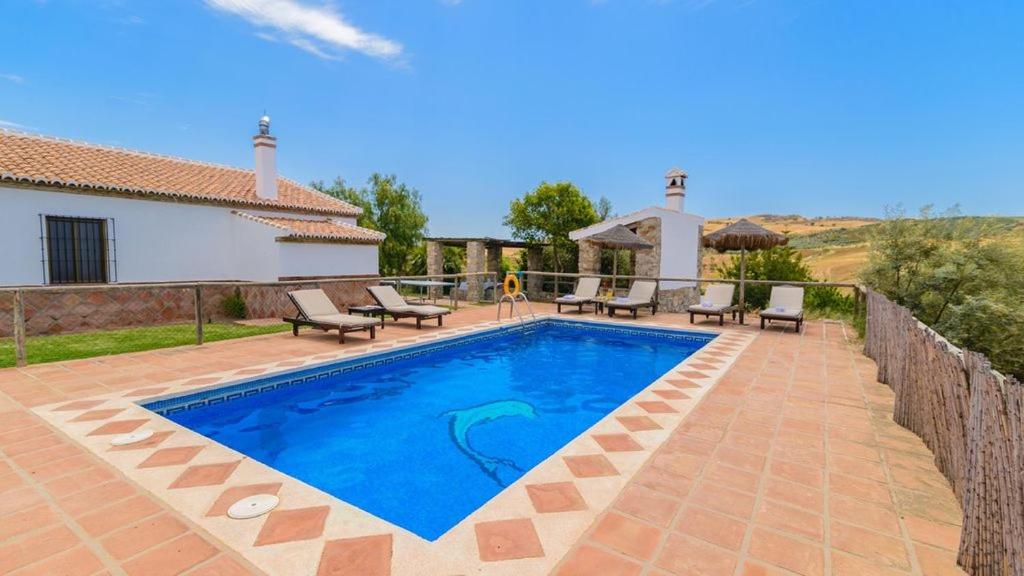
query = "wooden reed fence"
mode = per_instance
[{"x": 972, "y": 419}]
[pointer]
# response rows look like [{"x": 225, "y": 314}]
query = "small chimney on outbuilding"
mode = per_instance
[
  {"x": 675, "y": 189},
  {"x": 265, "y": 147}
]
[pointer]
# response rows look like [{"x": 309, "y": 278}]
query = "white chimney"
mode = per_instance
[
  {"x": 265, "y": 146},
  {"x": 675, "y": 189}
]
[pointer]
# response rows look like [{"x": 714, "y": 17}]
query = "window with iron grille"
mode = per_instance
[{"x": 76, "y": 250}]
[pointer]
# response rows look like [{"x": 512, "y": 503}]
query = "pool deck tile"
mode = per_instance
[
  {"x": 291, "y": 525},
  {"x": 555, "y": 497},
  {"x": 508, "y": 540},
  {"x": 793, "y": 431},
  {"x": 590, "y": 466},
  {"x": 363, "y": 556}
]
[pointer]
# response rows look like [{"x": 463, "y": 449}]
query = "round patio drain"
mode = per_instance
[
  {"x": 253, "y": 506},
  {"x": 132, "y": 437}
]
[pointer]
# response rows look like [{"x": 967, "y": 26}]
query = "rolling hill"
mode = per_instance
[{"x": 836, "y": 248}]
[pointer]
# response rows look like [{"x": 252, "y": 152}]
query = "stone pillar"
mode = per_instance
[
  {"x": 648, "y": 262},
  {"x": 475, "y": 262},
  {"x": 590, "y": 257},
  {"x": 534, "y": 262},
  {"x": 435, "y": 264}
]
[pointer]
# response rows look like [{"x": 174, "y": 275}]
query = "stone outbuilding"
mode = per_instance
[{"x": 675, "y": 234}]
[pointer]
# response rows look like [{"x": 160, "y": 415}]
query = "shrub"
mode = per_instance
[
  {"x": 234, "y": 305},
  {"x": 784, "y": 263}
]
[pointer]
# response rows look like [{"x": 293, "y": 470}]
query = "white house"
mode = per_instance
[
  {"x": 676, "y": 236},
  {"x": 74, "y": 213}
]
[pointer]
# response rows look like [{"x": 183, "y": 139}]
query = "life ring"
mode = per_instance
[{"x": 511, "y": 285}]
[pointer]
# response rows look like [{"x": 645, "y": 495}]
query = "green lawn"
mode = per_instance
[{"x": 88, "y": 344}]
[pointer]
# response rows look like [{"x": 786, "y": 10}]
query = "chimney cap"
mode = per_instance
[
  {"x": 675, "y": 172},
  {"x": 265, "y": 124}
]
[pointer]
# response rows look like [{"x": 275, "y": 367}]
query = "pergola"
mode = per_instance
[{"x": 483, "y": 254}]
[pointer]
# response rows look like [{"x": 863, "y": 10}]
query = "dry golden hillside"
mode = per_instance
[
  {"x": 835, "y": 263},
  {"x": 792, "y": 224}
]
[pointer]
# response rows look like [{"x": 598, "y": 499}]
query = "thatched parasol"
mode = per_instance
[
  {"x": 619, "y": 237},
  {"x": 744, "y": 235}
]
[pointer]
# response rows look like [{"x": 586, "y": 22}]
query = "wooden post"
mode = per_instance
[
  {"x": 743, "y": 277},
  {"x": 19, "y": 329},
  {"x": 199, "y": 315},
  {"x": 454, "y": 294}
]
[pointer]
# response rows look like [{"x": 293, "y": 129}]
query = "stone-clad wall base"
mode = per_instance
[
  {"x": 678, "y": 299},
  {"x": 69, "y": 310}
]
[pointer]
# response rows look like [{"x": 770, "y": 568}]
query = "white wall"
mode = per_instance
[
  {"x": 680, "y": 238},
  {"x": 166, "y": 241},
  {"x": 309, "y": 259}
]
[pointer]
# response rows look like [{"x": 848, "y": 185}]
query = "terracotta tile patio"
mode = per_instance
[{"x": 789, "y": 466}]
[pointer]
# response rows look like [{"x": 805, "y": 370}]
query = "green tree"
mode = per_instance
[
  {"x": 392, "y": 208},
  {"x": 548, "y": 214},
  {"x": 964, "y": 277},
  {"x": 603, "y": 208}
]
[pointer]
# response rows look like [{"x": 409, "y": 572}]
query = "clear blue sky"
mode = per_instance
[{"x": 819, "y": 108}]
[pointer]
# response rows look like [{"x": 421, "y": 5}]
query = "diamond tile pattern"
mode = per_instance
[
  {"x": 507, "y": 540},
  {"x": 171, "y": 456},
  {"x": 118, "y": 427},
  {"x": 590, "y": 466},
  {"x": 291, "y": 525},
  {"x": 365, "y": 556},
  {"x": 205, "y": 475},
  {"x": 555, "y": 497}
]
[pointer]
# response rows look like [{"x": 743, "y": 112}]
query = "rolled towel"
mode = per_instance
[
  {"x": 569, "y": 296},
  {"x": 705, "y": 304},
  {"x": 779, "y": 309}
]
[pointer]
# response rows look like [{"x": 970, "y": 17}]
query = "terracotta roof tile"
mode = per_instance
[
  {"x": 325, "y": 230},
  {"x": 60, "y": 163}
]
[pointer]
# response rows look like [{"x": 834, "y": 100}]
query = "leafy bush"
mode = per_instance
[
  {"x": 784, "y": 263},
  {"x": 234, "y": 305}
]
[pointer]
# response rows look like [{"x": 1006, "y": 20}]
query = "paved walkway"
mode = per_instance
[{"x": 790, "y": 466}]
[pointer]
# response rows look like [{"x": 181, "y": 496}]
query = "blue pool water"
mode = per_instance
[{"x": 424, "y": 441}]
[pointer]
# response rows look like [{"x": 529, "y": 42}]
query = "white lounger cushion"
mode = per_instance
[
  {"x": 641, "y": 293},
  {"x": 717, "y": 297},
  {"x": 421, "y": 309},
  {"x": 389, "y": 298},
  {"x": 392, "y": 301},
  {"x": 785, "y": 301},
  {"x": 586, "y": 290},
  {"x": 314, "y": 302},
  {"x": 345, "y": 320},
  {"x": 316, "y": 306}
]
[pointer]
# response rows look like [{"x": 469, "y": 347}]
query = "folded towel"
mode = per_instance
[
  {"x": 569, "y": 296},
  {"x": 705, "y": 303},
  {"x": 779, "y": 309},
  {"x": 620, "y": 299}
]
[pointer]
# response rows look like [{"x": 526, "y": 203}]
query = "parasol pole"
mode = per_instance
[
  {"x": 615, "y": 268},
  {"x": 743, "y": 281}
]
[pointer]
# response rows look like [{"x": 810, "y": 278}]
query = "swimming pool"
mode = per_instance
[{"x": 422, "y": 436}]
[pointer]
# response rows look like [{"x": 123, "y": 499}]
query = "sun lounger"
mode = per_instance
[
  {"x": 586, "y": 292},
  {"x": 317, "y": 310},
  {"x": 396, "y": 306},
  {"x": 786, "y": 303},
  {"x": 641, "y": 295},
  {"x": 717, "y": 300}
]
